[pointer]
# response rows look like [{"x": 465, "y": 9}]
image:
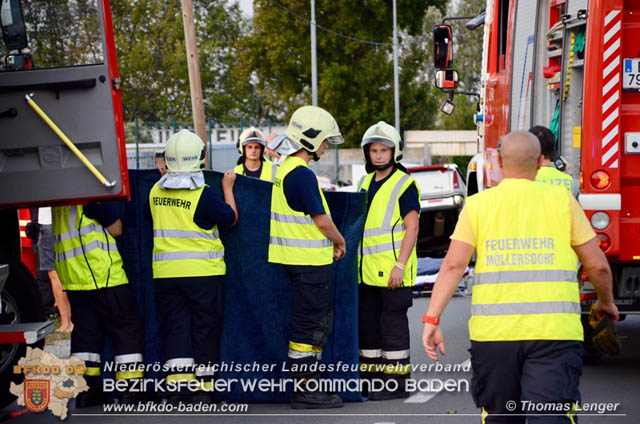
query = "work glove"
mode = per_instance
[
  {"x": 605, "y": 338},
  {"x": 32, "y": 231}
]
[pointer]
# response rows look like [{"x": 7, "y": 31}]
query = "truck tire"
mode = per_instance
[{"x": 21, "y": 302}]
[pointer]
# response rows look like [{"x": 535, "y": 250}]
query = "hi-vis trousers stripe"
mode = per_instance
[
  {"x": 290, "y": 242},
  {"x": 174, "y": 256},
  {"x": 533, "y": 276},
  {"x": 370, "y": 353},
  {"x": 78, "y": 251},
  {"x": 186, "y": 234},
  {"x": 525, "y": 308}
]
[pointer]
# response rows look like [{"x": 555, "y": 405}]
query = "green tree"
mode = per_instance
[
  {"x": 152, "y": 58},
  {"x": 355, "y": 79},
  {"x": 467, "y": 61}
]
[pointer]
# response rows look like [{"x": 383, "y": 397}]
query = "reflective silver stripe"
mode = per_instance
[
  {"x": 73, "y": 213},
  {"x": 379, "y": 248},
  {"x": 370, "y": 353},
  {"x": 87, "y": 356},
  {"x": 174, "y": 256},
  {"x": 361, "y": 182},
  {"x": 73, "y": 233},
  {"x": 294, "y": 354},
  {"x": 186, "y": 234},
  {"x": 311, "y": 244},
  {"x": 179, "y": 362},
  {"x": 381, "y": 231},
  {"x": 526, "y": 308},
  {"x": 388, "y": 215},
  {"x": 128, "y": 358},
  {"x": 274, "y": 169},
  {"x": 96, "y": 244},
  {"x": 319, "y": 356},
  {"x": 396, "y": 354},
  {"x": 291, "y": 219},
  {"x": 202, "y": 371},
  {"x": 543, "y": 275}
]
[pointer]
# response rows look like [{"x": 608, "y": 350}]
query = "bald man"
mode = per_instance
[{"x": 525, "y": 331}]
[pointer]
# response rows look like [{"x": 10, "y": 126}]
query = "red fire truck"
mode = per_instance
[
  {"x": 573, "y": 66},
  {"x": 62, "y": 140}
]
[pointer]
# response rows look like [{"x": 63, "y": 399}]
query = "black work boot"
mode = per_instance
[
  {"x": 94, "y": 396},
  {"x": 384, "y": 394},
  {"x": 307, "y": 399}
]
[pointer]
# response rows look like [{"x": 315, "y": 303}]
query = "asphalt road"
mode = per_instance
[{"x": 614, "y": 380}]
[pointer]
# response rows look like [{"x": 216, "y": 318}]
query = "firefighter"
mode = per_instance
[
  {"x": 306, "y": 241},
  {"x": 90, "y": 269},
  {"x": 525, "y": 330},
  {"x": 188, "y": 265},
  {"x": 387, "y": 262},
  {"x": 549, "y": 172},
  {"x": 252, "y": 163}
]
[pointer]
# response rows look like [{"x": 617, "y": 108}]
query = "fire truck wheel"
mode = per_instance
[
  {"x": 592, "y": 356},
  {"x": 21, "y": 302}
]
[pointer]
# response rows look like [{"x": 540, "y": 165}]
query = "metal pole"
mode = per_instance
[
  {"x": 396, "y": 79},
  {"x": 314, "y": 65}
]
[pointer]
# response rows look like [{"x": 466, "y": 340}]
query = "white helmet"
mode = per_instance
[
  {"x": 309, "y": 126},
  {"x": 385, "y": 134},
  {"x": 251, "y": 135},
  {"x": 184, "y": 152}
]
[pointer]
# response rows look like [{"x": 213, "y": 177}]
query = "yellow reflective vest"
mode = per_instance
[
  {"x": 551, "y": 175},
  {"x": 294, "y": 239},
  {"x": 526, "y": 285},
  {"x": 85, "y": 254},
  {"x": 384, "y": 230},
  {"x": 267, "y": 173},
  {"x": 180, "y": 247}
]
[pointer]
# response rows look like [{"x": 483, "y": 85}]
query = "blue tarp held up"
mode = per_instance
[{"x": 257, "y": 294}]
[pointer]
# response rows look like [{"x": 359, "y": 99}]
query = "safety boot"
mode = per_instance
[
  {"x": 307, "y": 399},
  {"x": 315, "y": 400},
  {"x": 94, "y": 396}
]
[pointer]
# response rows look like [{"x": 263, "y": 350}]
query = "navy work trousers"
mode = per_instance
[
  {"x": 190, "y": 312},
  {"x": 536, "y": 378}
]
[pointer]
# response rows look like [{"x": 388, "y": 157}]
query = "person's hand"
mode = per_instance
[
  {"x": 610, "y": 309},
  {"x": 228, "y": 179},
  {"x": 432, "y": 339},
  {"x": 395, "y": 278},
  {"x": 339, "y": 250}
]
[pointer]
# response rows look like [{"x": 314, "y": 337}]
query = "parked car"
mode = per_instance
[{"x": 442, "y": 195}]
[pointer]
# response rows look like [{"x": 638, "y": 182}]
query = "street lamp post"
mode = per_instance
[
  {"x": 314, "y": 65},
  {"x": 396, "y": 82}
]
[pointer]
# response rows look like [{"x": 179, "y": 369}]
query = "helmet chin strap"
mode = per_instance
[{"x": 383, "y": 167}]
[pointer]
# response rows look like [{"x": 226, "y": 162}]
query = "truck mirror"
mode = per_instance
[
  {"x": 442, "y": 47},
  {"x": 447, "y": 79},
  {"x": 14, "y": 33}
]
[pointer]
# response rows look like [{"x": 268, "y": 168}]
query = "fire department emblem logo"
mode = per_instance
[{"x": 36, "y": 394}]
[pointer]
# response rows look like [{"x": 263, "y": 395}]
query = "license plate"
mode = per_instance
[{"x": 631, "y": 74}]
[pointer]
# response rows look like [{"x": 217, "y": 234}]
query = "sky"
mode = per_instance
[{"x": 246, "y": 6}]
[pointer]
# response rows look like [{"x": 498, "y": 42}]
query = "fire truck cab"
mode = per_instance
[
  {"x": 62, "y": 140},
  {"x": 573, "y": 66}
]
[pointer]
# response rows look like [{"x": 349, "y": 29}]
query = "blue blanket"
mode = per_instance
[{"x": 257, "y": 294}]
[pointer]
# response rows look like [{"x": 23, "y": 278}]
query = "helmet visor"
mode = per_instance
[
  {"x": 258, "y": 140},
  {"x": 334, "y": 139},
  {"x": 372, "y": 140}
]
